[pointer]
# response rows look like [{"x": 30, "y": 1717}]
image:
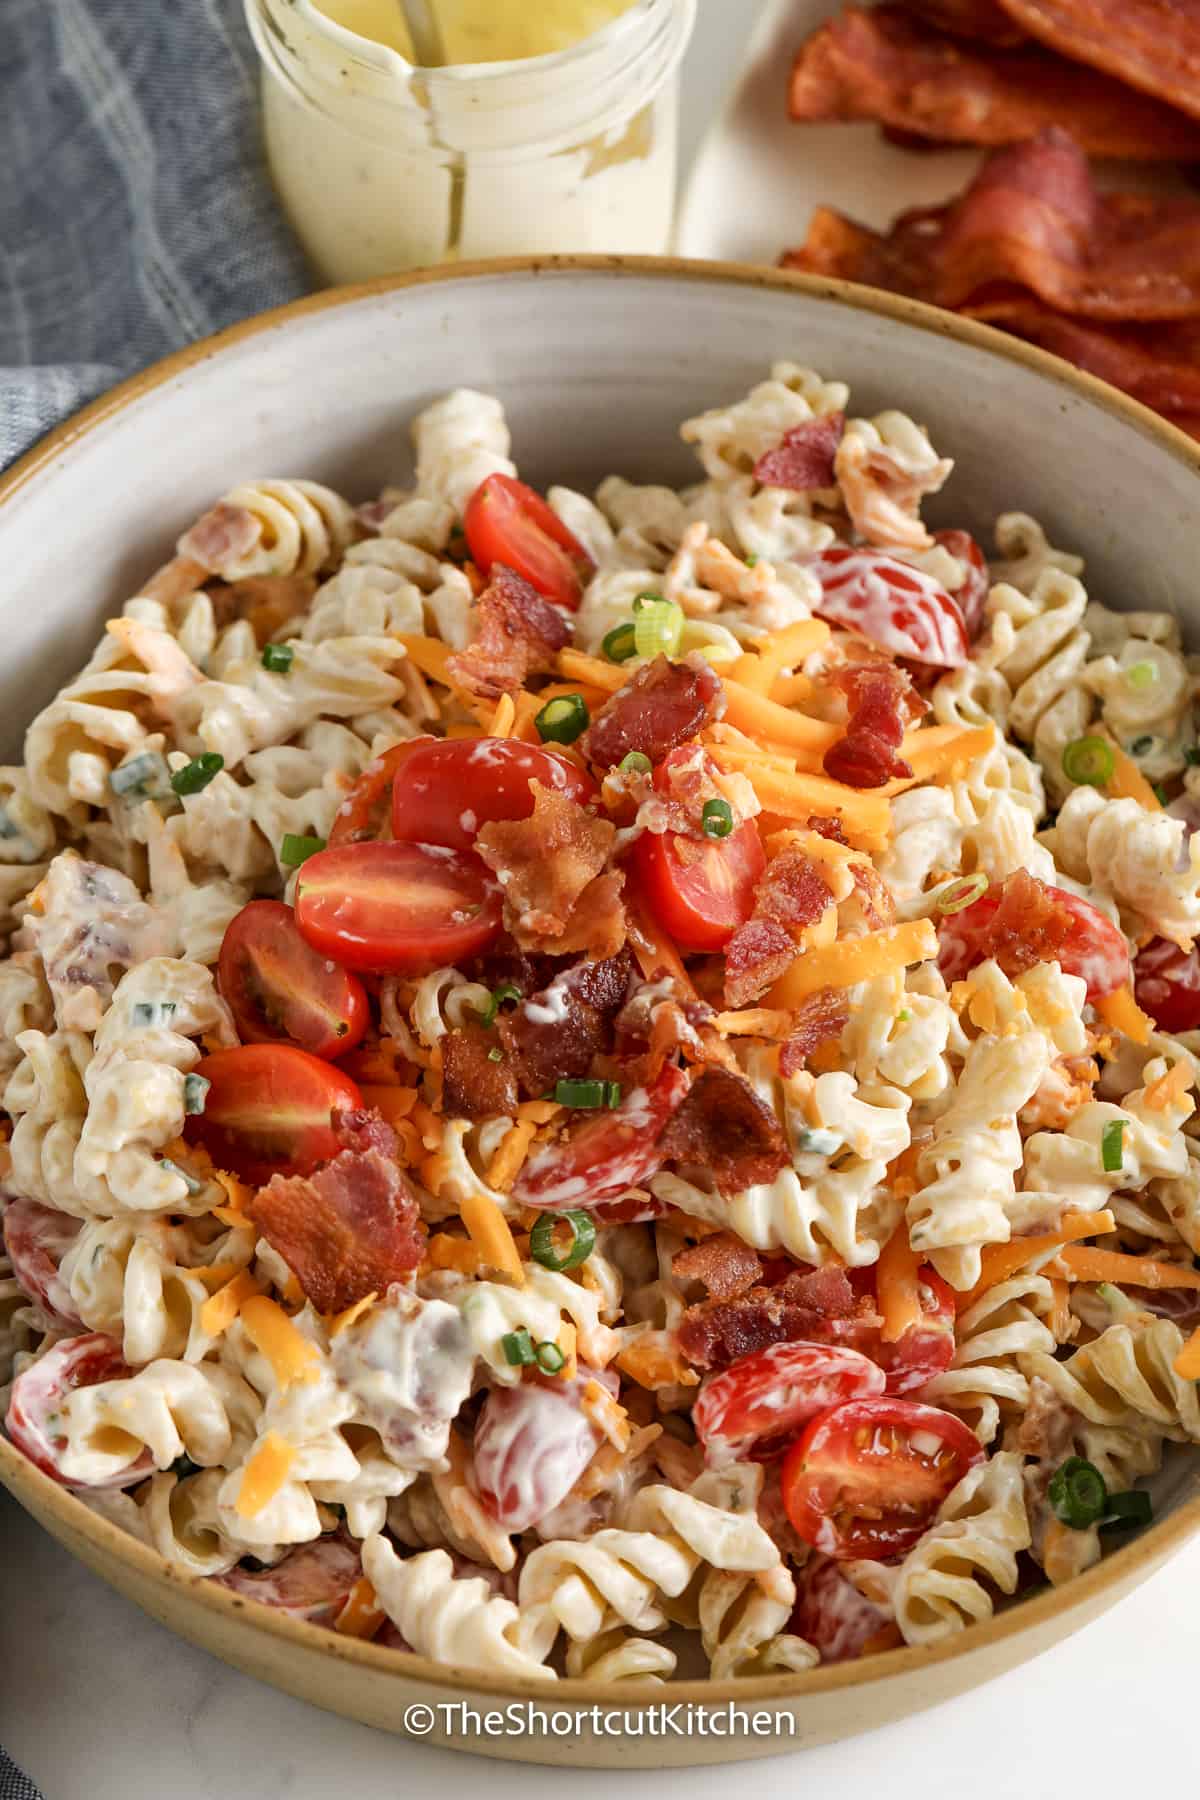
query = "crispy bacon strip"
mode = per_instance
[
  {"x": 723, "y": 1125},
  {"x": 803, "y": 457},
  {"x": 664, "y": 705},
  {"x": 552, "y": 866},
  {"x": 793, "y": 893},
  {"x": 882, "y": 703},
  {"x": 824, "y": 1015},
  {"x": 1150, "y": 44},
  {"x": 817, "y": 1306},
  {"x": 476, "y": 1084},
  {"x": 516, "y": 634},
  {"x": 1157, "y": 364},
  {"x": 1033, "y": 219},
  {"x": 557, "y": 1033},
  {"x": 725, "y": 1265},
  {"x": 883, "y": 64},
  {"x": 979, "y": 21},
  {"x": 1028, "y": 926},
  {"x": 348, "y": 1230}
]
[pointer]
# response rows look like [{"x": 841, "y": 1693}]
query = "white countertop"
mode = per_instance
[{"x": 99, "y": 1703}]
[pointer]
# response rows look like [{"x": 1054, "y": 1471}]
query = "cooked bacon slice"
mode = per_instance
[
  {"x": 725, "y": 1127},
  {"x": 552, "y": 867},
  {"x": 475, "y": 1083},
  {"x": 823, "y": 1015},
  {"x": 364, "y": 1128},
  {"x": 792, "y": 894},
  {"x": 979, "y": 21},
  {"x": 516, "y": 634},
  {"x": 664, "y": 705},
  {"x": 724, "y": 1264},
  {"x": 1022, "y": 923},
  {"x": 803, "y": 457},
  {"x": 882, "y": 703},
  {"x": 348, "y": 1230},
  {"x": 814, "y": 1307},
  {"x": 1156, "y": 364},
  {"x": 1031, "y": 219},
  {"x": 883, "y": 64},
  {"x": 557, "y": 1033},
  {"x": 1151, "y": 44}
]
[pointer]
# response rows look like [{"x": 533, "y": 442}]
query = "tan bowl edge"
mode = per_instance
[{"x": 1087, "y": 1594}]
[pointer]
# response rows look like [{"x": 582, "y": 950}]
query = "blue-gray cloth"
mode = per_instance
[{"x": 135, "y": 215}]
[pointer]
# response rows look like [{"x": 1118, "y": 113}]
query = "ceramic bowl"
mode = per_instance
[{"x": 597, "y": 361}]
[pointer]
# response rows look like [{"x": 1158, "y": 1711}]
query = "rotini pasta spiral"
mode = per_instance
[{"x": 980, "y": 1529}]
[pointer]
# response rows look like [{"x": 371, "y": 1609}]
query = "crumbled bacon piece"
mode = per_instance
[
  {"x": 1019, "y": 923},
  {"x": 725, "y": 1265},
  {"x": 815, "y": 1307},
  {"x": 664, "y": 705},
  {"x": 558, "y": 895},
  {"x": 222, "y": 538},
  {"x": 881, "y": 703},
  {"x": 363, "y": 1128},
  {"x": 516, "y": 634},
  {"x": 348, "y": 1230},
  {"x": 724, "y": 1126},
  {"x": 828, "y": 828},
  {"x": 822, "y": 1016},
  {"x": 478, "y": 1082},
  {"x": 792, "y": 894},
  {"x": 803, "y": 458},
  {"x": 558, "y": 1032},
  {"x": 871, "y": 901}
]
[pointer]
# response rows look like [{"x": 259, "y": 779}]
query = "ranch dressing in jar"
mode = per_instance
[{"x": 558, "y": 134}]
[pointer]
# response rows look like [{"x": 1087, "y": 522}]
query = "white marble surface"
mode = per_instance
[{"x": 99, "y": 1703}]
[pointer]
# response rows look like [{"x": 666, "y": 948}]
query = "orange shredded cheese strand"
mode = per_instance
[
  {"x": 444, "y": 1251},
  {"x": 218, "y": 1313},
  {"x": 940, "y": 750},
  {"x": 215, "y": 1275},
  {"x": 852, "y": 960},
  {"x": 510, "y": 1155},
  {"x": 866, "y": 816},
  {"x": 291, "y": 1356},
  {"x": 754, "y": 1021},
  {"x": 1121, "y": 1012},
  {"x": 567, "y": 1341},
  {"x": 504, "y": 717},
  {"x": 393, "y": 1103},
  {"x": 362, "y": 1615},
  {"x": 237, "y": 1193},
  {"x": 1083, "y": 1262},
  {"x": 783, "y": 649},
  {"x": 539, "y": 1111},
  {"x": 606, "y": 1414},
  {"x": 793, "y": 690},
  {"x": 655, "y": 951},
  {"x": 338, "y": 1322},
  {"x": 765, "y": 719},
  {"x": 492, "y": 1235},
  {"x": 1060, "y": 1313},
  {"x": 896, "y": 1288},
  {"x": 264, "y": 1475},
  {"x": 1127, "y": 781},
  {"x": 999, "y": 1261},
  {"x": 1169, "y": 1088},
  {"x": 428, "y": 1124},
  {"x": 1187, "y": 1363},
  {"x": 429, "y": 654},
  {"x": 652, "y": 1363},
  {"x": 599, "y": 674}
]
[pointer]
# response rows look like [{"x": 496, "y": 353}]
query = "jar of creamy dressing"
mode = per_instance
[{"x": 563, "y": 139}]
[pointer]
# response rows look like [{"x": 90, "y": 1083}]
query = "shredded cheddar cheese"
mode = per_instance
[
  {"x": 1170, "y": 1088},
  {"x": 218, "y": 1313},
  {"x": 361, "y": 1615},
  {"x": 291, "y": 1356},
  {"x": 606, "y": 1414},
  {"x": 852, "y": 960},
  {"x": 338, "y": 1322},
  {"x": 264, "y": 1475},
  {"x": 896, "y": 1288},
  {"x": 510, "y": 1155},
  {"x": 1121, "y": 1012},
  {"x": 429, "y": 654},
  {"x": 1081, "y": 1262},
  {"x": 773, "y": 724},
  {"x": 492, "y": 1236},
  {"x": 1187, "y": 1363},
  {"x": 1000, "y": 1261}
]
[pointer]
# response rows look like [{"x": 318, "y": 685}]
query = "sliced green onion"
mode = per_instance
[
  {"x": 1112, "y": 1148},
  {"x": 752, "y": 559},
  {"x": 904, "y": 1015},
  {"x": 550, "y": 1358},
  {"x": 813, "y": 1140},
  {"x": 1160, "y": 793},
  {"x": 517, "y": 1347},
  {"x": 1142, "y": 746},
  {"x": 1127, "y": 1510},
  {"x": 620, "y": 643},
  {"x": 561, "y": 721},
  {"x": 195, "y": 776},
  {"x": 1088, "y": 762},
  {"x": 1141, "y": 674},
  {"x": 152, "y": 1012},
  {"x": 961, "y": 894},
  {"x": 142, "y": 777},
  {"x": 612, "y": 1093},
  {"x": 645, "y": 599},
  {"x": 7, "y": 828},
  {"x": 195, "y": 1093},
  {"x": 717, "y": 818},
  {"x": 1191, "y": 756},
  {"x": 658, "y": 628},
  {"x": 581, "y": 1093},
  {"x": 635, "y": 762},
  {"x": 496, "y": 1055},
  {"x": 189, "y": 1181},
  {"x": 183, "y": 1466},
  {"x": 544, "y": 1250},
  {"x": 1078, "y": 1494},
  {"x": 508, "y": 990},
  {"x": 278, "y": 658},
  {"x": 296, "y": 850}
]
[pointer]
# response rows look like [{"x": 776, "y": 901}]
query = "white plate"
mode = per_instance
[{"x": 758, "y": 175}]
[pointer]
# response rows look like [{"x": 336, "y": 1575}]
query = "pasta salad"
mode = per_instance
[{"x": 597, "y": 1078}]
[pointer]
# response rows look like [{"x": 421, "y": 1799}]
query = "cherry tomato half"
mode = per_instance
[
  {"x": 37, "y": 1238},
  {"x": 1094, "y": 948},
  {"x": 280, "y": 990},
  {"x": 866, "y": 1478},
  {"x": 700, "y": 902},
  {"x": 921, "y": 1352},
  {"x": 448, "y": 788},
  {"x": 606, "y": 1152},
  {"x": 367, "y": 809},
  {"x": 269, "y": 1109},
  {"x": 397, "y": 908},
  {"x": 1167, "y": 985},
  {"x": 505, "y": 521},
  {"x": 35, "y": 1410},
  {"x": 771, "y": 1393}
]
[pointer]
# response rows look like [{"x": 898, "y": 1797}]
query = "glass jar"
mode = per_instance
[{"x": 382, "y": 166}]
